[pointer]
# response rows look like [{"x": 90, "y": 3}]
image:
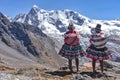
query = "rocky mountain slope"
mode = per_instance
[{"x": 27, "y": 41}]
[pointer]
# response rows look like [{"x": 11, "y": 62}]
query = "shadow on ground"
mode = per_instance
[
  {"x": 94, "y": 75},
  {"x": 59, "y": 73}
]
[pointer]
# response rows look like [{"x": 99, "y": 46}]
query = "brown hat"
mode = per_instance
[{"x": 98, "y": 27}]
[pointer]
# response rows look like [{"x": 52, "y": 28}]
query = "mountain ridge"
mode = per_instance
[{"x": 59, "y": 19}]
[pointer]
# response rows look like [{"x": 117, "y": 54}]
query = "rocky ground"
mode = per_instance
[{"x": 111, "y": 72}]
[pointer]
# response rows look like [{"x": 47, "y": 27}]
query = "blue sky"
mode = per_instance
[{"x": 94, "y": 9}]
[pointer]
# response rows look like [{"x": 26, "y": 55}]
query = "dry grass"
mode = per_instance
[{"x": 2, "y": 67}]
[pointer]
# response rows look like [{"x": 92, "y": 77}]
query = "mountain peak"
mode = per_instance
[
  {"x": 35, "y": 6},
  {"x": 37, "y": 9},
  {"x": 34, "y": 10}
]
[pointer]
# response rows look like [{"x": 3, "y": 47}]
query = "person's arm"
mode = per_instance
[
  {"x": 66, "y": 37},
  {"x": 114, "y": 38},
  {"x": 90, "y": 40},
  {"x": 78, "y": 36}
]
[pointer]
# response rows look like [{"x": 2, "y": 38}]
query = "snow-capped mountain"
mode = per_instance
[
  {"x": 52, "y": 21},
  {"x": 55, "y": 22}
]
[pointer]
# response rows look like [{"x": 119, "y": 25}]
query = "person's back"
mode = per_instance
[
  {"x": 71, "y": 38},
  {"x": 98, "y": 40},
  {"x": 97, "y": 49},
  {"x": 71, "y": 48}
]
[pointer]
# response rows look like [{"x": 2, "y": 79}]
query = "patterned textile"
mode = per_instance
[
  {"x": 71, "y": 37},
  {"x": 98, "y": 40},
  {"x": 98, "y": 54},
  {"x": 71, "y": 52},
  {"x": 97, "y": 49}
]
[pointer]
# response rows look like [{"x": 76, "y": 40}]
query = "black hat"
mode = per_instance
[
  {"x": 71, "y": 26},
  {"x": 98, "y": 27}
]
